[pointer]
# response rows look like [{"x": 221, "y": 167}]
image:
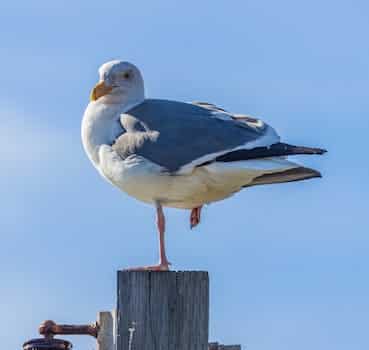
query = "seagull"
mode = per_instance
[{"x": 180, "y": 155}]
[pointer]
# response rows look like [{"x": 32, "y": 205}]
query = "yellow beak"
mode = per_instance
[{"x": 99, "y": 90}]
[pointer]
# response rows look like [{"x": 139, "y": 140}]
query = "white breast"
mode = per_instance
[{"x": 100, "y": 126}]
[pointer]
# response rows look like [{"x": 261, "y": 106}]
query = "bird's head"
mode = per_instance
[{"x": 120, "y": 82}]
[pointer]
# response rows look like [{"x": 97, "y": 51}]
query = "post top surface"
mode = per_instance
[
  {"x": 163, "y": 272},
  {"x": 171, "y": 271}
]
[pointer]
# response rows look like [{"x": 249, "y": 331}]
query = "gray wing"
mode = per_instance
[{"x": 175, "y": 135}]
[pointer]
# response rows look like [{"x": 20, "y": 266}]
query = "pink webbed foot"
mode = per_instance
[{"x": 195, "y": 217}]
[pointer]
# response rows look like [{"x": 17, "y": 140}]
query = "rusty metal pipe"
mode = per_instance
[{"x": 49, "y": 328}]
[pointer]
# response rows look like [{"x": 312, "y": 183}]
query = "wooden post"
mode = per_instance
[
  {"x": 162, "y": 310},
  {"x": 106, "y": 335}
]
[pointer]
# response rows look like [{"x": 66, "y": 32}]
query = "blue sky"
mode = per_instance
[{"x": 288, "y": 263}]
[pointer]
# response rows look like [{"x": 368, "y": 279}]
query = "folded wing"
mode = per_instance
[{"x": 180, "y": 136}]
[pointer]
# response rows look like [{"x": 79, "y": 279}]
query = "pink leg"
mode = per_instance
[
  {"x": 163, "y": 262},
  {"x": 195, "y": 217}
]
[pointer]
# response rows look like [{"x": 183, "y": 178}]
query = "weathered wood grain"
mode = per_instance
[
  {"x": 163, "y": 310},
  {"x": 106, "y": 334}
]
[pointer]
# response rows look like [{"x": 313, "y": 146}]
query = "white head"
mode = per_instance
[{"x": 120, "y": 83}]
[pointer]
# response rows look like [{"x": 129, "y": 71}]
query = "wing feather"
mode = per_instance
[{"x": 180, "y": 136}]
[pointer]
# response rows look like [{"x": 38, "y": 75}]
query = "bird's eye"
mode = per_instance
[{"x": 126, "y": 75}]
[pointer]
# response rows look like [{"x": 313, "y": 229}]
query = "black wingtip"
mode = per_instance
[
  {"x": 314, "y": 150},
  {"x": 313, "y": 173},
  {"x": 321, "y": 151}
]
